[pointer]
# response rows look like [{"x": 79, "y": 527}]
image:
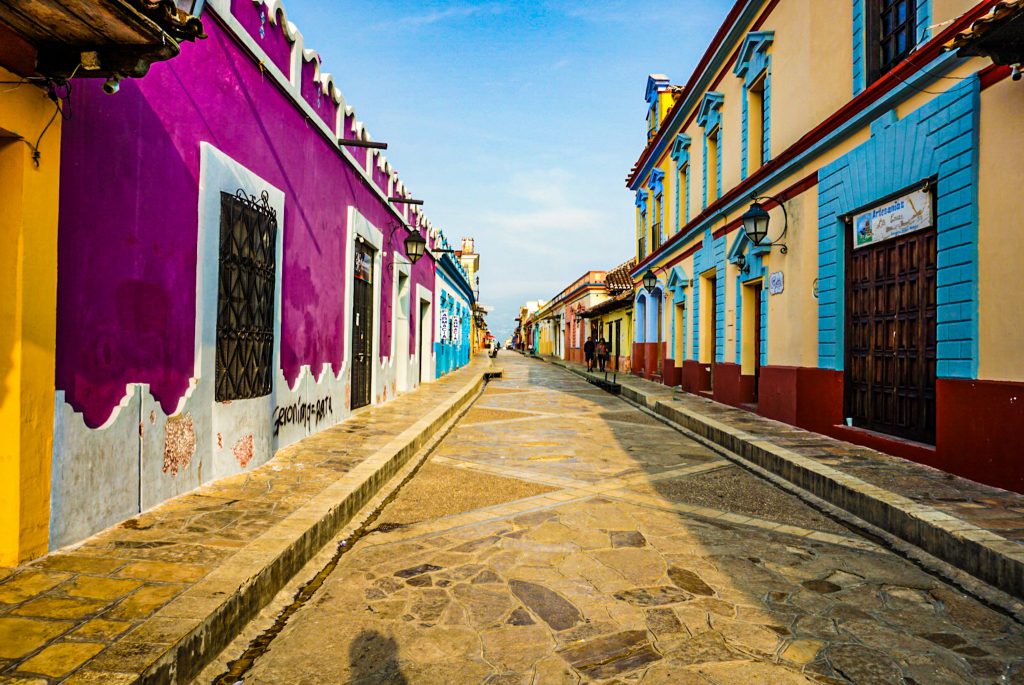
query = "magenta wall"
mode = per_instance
[{"x": 126, "y": 291}]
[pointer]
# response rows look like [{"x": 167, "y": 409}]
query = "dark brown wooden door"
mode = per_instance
[
  {"x": 617, "y": 343},
  {"x": 890, "y": 336},
  {"x": 757, "y": 337},
  {"x": 362, "y": 326},
  {"x": 713, "y": 331}
]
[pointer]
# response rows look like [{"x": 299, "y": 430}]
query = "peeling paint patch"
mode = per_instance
[
  {"x": 179, "y": 443},
  {"x": 243, "y": 450}
]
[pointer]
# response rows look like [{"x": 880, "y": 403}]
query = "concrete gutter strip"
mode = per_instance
[
  {"x": 981, "y": 553},
  {"x": 208, "y": 615}
]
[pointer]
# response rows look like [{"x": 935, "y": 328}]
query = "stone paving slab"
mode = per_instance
[
  {"x": 621, "y": 577},
  {"x": 150, "y": 599},
  {"x": 976, "y": 528}
]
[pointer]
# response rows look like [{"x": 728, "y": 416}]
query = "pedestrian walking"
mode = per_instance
[
  {"x": 588, "y": 352},
  {"x": 602, "y": 354}
]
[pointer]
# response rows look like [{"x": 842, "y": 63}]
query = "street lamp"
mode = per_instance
[
  {"x": 755, "y": 223},
  {"x": 650, "y": 281},
  {"x": 756, "y": 220},
  {"x": 415, "y": 244}
]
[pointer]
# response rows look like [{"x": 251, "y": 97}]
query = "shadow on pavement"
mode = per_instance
[{"x": 374, "y": 659}]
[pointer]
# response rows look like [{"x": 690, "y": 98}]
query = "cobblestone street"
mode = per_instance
[{"x": 559, "y": 535}]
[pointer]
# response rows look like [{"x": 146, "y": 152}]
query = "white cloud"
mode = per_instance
[
  {"x": 456, "y": 12},
  {"x": 547, "y": 203}
]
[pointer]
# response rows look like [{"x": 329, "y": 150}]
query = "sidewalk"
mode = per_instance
[
  {"x": 974, "y": 527},
  {"x": 153, "y": 598}
]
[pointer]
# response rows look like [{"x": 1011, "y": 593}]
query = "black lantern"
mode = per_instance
[
  {"x": 650, "y": 281},
  {"x": 415, "y": 244},
  {"x": 755, "y": 223}
]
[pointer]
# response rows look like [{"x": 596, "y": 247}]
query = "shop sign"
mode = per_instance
[
  {"x": 456, "y": 330},
  {"x": 443, "y": 333},
  {"x": 775, "y": 283},
  {"x": 905, "y": 214}
]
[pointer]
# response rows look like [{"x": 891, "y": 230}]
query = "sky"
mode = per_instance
[{"x": 515, "y": 122}]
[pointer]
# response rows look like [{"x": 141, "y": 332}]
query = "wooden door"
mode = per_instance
[
  {"x": 757, "y": 336},
  {"x": 712, "y": 331},
  {"x": 890, "y": 336},
  {"x": 362, "y": 326},
  {"x": 617, "y": 338}
]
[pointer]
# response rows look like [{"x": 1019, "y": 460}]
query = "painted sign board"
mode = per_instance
[
  {"x": 904, "y": 214},
  {"x": 444, "y": 326},
  {"x": 775, "y": 283},
  {"x": 364, "y": 264}
]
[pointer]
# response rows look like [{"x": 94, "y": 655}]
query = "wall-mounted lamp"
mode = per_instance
[
  {"x": 415, "y": 244},
  {"x": 650, "y": 281},
  {"x": 756, "y": 220},
  {"x": 741, "y": 263}
]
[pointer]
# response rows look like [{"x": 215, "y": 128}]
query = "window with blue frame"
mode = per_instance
[
  {"x": 753, "y": 65},
  {"x": 681, "y": 156},
  {"x": 641, "y": 224},
  {"x": 709, "y": 117},
  {"x": 657, "y": 186},
  {"x": 892, "y": 27},
  {"x": 886, "y": 32}
]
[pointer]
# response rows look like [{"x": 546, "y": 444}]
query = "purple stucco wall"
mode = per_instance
[
  {"x": 275, "y": 44},
  {"x": 128, "y": 223}
]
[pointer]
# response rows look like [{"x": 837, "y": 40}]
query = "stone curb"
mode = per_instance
[
  {"x": 981, "y": 553},
  {"x": 204, "y": 619}
]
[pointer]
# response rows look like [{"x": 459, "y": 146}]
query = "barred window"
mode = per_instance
[
  {"x": 893, "y": 34},
  {"x": 245, "y": 297}
]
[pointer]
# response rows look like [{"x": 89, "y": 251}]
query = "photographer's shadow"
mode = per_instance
[{"x": 373, "y": 657}]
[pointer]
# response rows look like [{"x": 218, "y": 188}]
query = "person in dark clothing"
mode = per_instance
[
  {"x": 602, "y": 354},
  {"x": 588, "y": 352}
]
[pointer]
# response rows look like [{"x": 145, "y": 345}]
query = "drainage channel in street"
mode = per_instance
[{"x": 238, "y": 668}]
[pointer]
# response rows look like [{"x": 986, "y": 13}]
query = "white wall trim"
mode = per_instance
[{"x": 360, "y": 227}]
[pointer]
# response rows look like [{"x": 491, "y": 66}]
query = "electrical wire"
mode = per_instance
[{"x": 58, "y": 92}]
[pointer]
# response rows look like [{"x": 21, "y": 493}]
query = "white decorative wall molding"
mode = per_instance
[
  {"x": 243, "y": 428},
  {"x": 95, "y": 472}
]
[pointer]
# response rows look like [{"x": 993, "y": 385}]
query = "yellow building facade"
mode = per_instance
[
  {"x": 29, "y": 186},
  {"x": 874, "y": 309}
]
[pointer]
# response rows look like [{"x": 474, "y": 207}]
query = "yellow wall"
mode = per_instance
[
  {"x": 1001, "y": 279},
  {"x": 798, "y": 62},
  {"x": 28, "y": 279},
  {"x": 813, "y": 46},
  {"x": 625, "y": 332}
]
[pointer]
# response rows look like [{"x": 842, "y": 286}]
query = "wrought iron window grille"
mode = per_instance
[{"x": 245, "y": 296}]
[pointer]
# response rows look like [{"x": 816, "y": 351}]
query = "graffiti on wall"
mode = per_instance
[{"x": 306, "y": 414}]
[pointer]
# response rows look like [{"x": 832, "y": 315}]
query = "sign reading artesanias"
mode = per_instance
[{"x": 905, "y": 214}]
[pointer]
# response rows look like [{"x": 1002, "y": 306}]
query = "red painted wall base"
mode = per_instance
[
  {"x": 671, "y": 374},
  {"x": 977, "y": 421},
  {"x": 696, "y": 376},
  {"x": 637, "y": 366},
  {"x": 978, "y": 426},
  {"x": 653, "y": 354},
  {"x": 731, "y": 386}
]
